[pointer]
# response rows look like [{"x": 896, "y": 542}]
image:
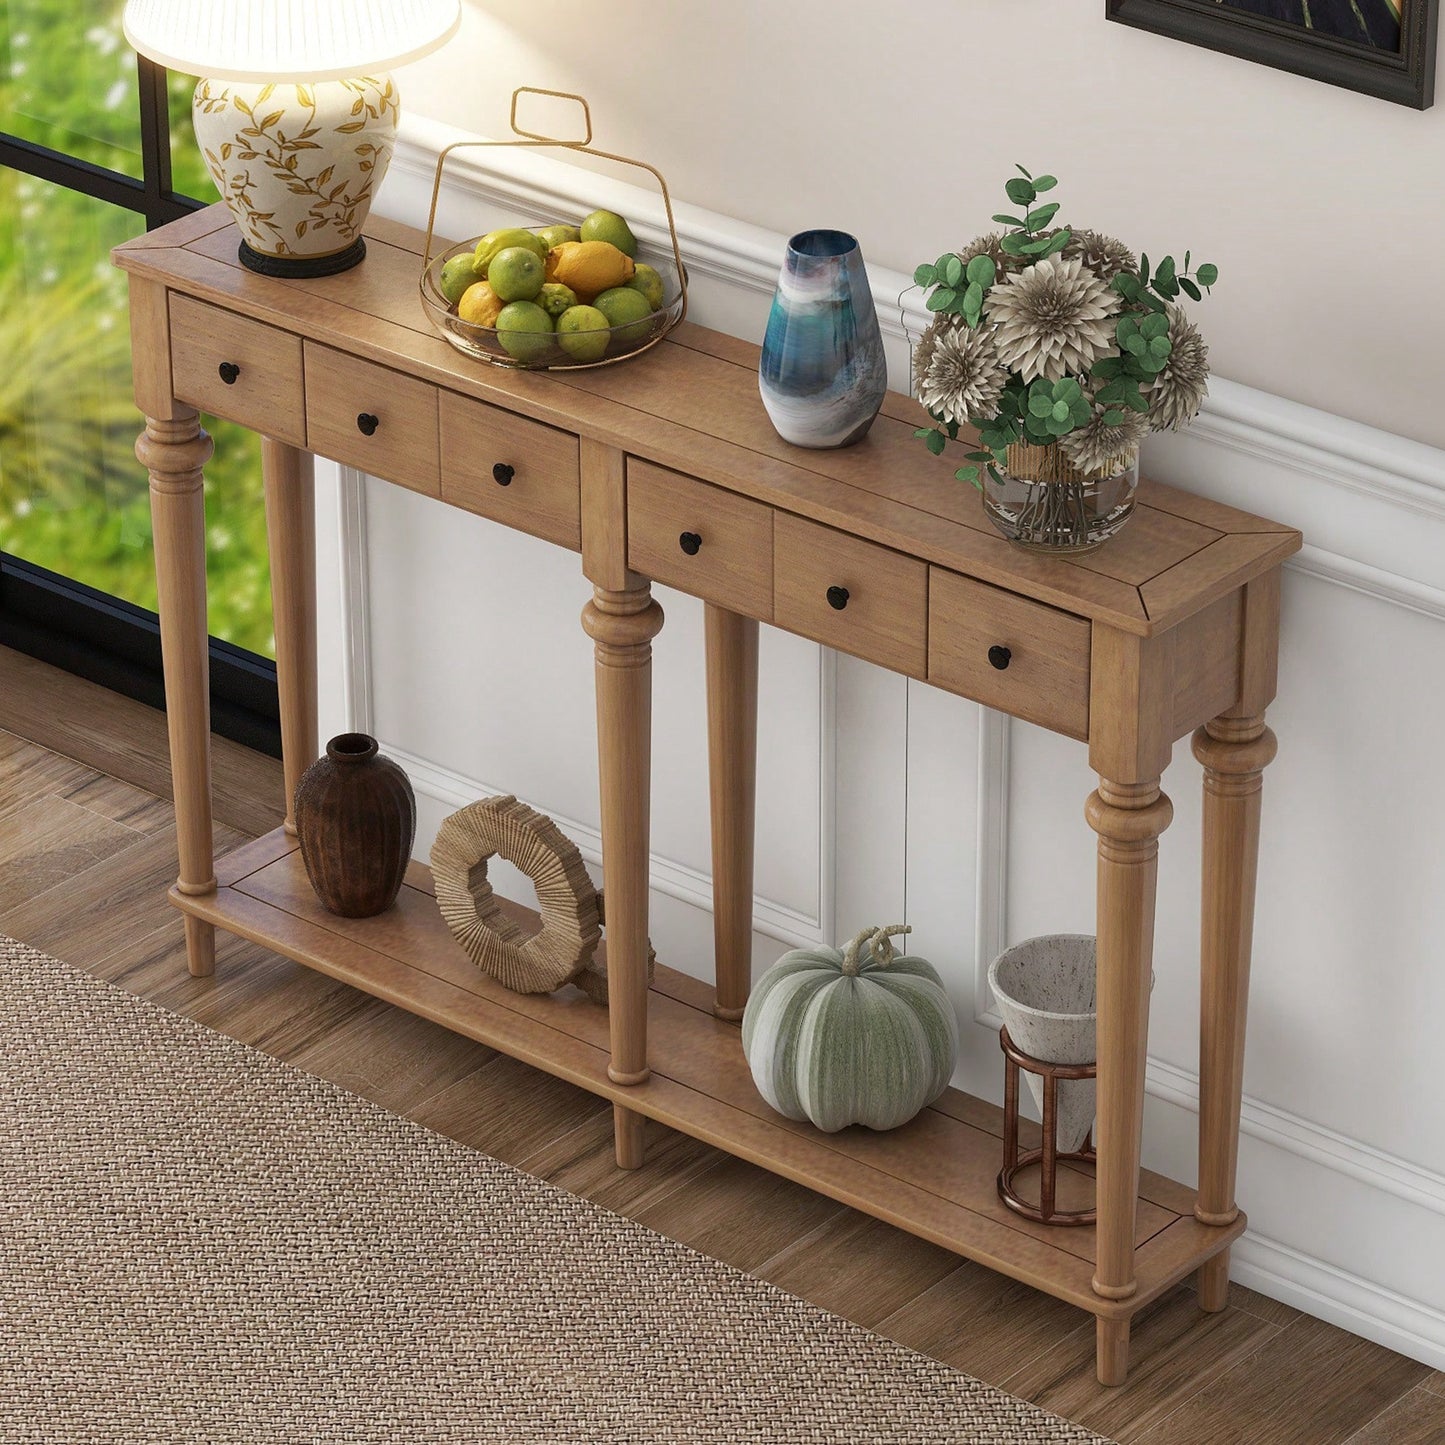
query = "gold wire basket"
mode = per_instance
[{"x": 486, "y": 342}]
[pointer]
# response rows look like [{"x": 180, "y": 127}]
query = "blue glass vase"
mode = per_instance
[{"x": 823, "y": 375}]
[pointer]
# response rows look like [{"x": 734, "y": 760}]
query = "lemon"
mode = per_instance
[
  {"x": 589, "y": 267},
  {"x": 495, "y": 241},
  {"x": 556, "y": 235},
  {"x": 515, "y": 273},
  {"x": 525, "y": 331},
  {"x": 609, "y": 226},
  {"x": 582, "y": 333},
  {"x": 646, "y": 280},
  {"x": 554, "y": 298},
  {"x": 457, "y": 274},
  {"x": 628, "y": 314},
  {"x": 479, "y": 305}
]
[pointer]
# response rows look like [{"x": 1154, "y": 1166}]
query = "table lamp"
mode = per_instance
[{"x": 295, "y": 113}]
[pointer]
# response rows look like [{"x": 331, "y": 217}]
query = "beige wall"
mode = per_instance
[{"x": 1324, "y": 210}]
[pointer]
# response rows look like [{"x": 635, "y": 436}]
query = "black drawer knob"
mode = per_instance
[
  {"x": 690, "y": 542},
  {"x": 837, "y": 598},
  {"x": 503, "y": 473},
  {"x": 999, "y": 656},
  {"x": 229, "y": 372},
  {"x": 367, "y": 424}
]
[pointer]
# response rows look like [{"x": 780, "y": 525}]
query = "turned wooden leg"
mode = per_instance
[
  {"x": 1235, "y": 752},
  {"x": 1128, "y": 817},
  {"x": 291, "y": 537},
  {"x": 622, "y": 625},
  {"x": 174, "y": 451},
  {"x": 732, "y": 737}
]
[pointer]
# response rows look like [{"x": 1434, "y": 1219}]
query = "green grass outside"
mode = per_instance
[{"x": 72, "y": 496}]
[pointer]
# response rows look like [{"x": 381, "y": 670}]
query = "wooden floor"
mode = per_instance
[{"x": 85, "y": 861}]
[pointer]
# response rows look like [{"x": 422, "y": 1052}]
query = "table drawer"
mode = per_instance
[
  {"x": 510, "y": 469},
  {"x": 1008, "y": 652},
  {"x": 851, "y": 594},
  {"x": 373, "y": 418},
  {"x": 237, "y": 368},
  {"x": 700, "y": 539}
]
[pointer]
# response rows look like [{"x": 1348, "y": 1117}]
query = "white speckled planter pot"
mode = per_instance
[
  {"x": 1045, "y": 989},
  {"x": 298, "y": 164}
]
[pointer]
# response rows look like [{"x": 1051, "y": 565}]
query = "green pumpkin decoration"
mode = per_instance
[{"x": 858, "y": 1037}]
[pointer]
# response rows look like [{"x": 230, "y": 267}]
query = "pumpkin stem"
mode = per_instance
[
  {"x": 850, "y": 954},
  {"x": 880, "y": 947}
]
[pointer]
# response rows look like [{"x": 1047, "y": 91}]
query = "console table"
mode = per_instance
[{"x": 666, "y": 469}]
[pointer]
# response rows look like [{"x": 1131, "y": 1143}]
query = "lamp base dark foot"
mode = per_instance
[{"x": 297, "y": 266}]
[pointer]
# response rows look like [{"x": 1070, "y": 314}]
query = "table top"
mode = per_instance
[{"x": 692, "y": 404}]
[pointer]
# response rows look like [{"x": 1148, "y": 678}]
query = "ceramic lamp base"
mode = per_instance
[{"x": 297, "y": 165}]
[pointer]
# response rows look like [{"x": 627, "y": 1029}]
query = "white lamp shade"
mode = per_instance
[{"x": 288, "y": 40}]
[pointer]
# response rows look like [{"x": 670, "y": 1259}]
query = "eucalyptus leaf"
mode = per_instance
[
  {"x": 969, "y": 475},
  {"x": 1189, "y": 289},
  {"x": 1020, "y": 192},
  {"x": 1040, "y": 216},
  {"x": 1144, "y": 267},
  {"x": 1009, "y": 220},
  {"x": 935, "y": 442},
  {"x": 1154, "y": 326},
  {"x": 1113, "y": 417},
  {"x": 1161, "y": 346},
  {"x": 925, "y": 276},
  {"x": 982, "y": 270},
  {"x": 1059, "y": 241},
  {"x": 1044, "y": 183},
  {"x": 942, "y": 298},
  {"x": 953, "y": 272},
  {"x": 1012, "y": 245},
  {"x": 1207, "y": 275}
]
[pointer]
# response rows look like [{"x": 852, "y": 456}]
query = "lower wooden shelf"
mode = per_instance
[{"x": 935, "y": 1177}]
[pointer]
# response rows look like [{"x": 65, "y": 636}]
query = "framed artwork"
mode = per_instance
[{"x": 1381, "y": 47}]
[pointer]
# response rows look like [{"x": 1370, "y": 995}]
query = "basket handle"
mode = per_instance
[{"x": 522, "y": 90}]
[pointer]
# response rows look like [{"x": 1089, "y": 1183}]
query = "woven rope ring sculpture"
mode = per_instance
[{"x": 571, "y": 908}]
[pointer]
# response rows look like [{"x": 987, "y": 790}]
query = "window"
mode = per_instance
[{"x": 87, "y": 160}]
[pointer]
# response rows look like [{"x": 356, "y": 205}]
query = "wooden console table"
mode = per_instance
[{"x": 666, "y": 469}]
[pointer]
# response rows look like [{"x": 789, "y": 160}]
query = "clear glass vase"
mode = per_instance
[{"x": 1043, "y": 503}]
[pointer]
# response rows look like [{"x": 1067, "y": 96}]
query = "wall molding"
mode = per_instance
[{"x": 1409, "y": 1326}]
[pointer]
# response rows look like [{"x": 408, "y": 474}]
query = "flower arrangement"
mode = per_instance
[{"x": 1055, "y": 337}]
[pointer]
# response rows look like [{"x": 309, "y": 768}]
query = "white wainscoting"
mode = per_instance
[{"x": 883, "y": 799}]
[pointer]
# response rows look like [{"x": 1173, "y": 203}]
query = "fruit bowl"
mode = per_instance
[{"x": 542, "y": 352}]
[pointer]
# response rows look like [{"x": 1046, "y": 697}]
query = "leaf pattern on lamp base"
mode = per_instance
[{"x": 297, "y": 164}]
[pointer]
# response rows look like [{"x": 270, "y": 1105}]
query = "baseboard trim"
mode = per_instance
[{"x": 1409, "y": 1326}]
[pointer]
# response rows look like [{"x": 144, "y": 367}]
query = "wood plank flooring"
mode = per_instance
[{"x": 85, "y": 859}]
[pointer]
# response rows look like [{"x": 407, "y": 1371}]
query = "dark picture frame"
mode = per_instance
[{"x": 1406, "y": 76}]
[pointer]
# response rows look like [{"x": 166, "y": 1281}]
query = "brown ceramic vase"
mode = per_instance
[{"x": 355, "y": 821}]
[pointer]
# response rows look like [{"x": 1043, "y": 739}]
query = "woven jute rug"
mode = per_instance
[{"x": 201, "y": 1244}]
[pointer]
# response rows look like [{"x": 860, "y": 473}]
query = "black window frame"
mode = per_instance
[{"x": 61, "y": 620}]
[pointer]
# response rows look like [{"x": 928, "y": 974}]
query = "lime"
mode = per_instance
[
  {"x": 556, "y": 235},
  {"x": 582, "y": 333},
  {"x": 516, "y": 274},
  {"x": 479, "y": 305},
  {"x": 457, "y": 274},
  {"x": 554, "y": 298},
  {"x": 525, "y": 331},
  {"x": 495, "y": 241},
  {"x": 628, "y": 314},
  {"x": 646, "y": 280},
  {"x": 609, "y": 226}
]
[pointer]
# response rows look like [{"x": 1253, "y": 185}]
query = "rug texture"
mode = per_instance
[{"x": 201, "y": 1244}]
